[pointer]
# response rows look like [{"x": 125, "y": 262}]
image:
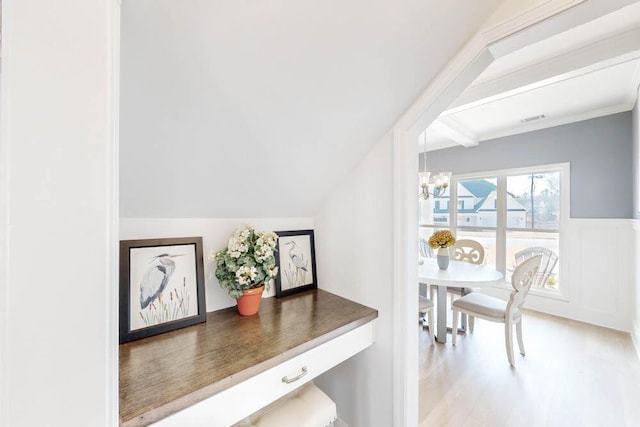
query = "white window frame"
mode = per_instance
[{"x": 501, "y": 219}]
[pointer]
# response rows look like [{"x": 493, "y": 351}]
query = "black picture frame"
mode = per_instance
[
  {"x": 151, "y": 305},
  {"x": 296, "y": 262}
]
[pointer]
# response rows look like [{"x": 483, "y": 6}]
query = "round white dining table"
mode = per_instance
[{"x": 459, "y": 274}]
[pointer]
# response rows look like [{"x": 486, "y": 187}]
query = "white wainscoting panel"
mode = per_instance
[
  {"x": 635, "y": 314},
  {"x": 598, "y": 270},
  {"x": 598, "y": 274}
]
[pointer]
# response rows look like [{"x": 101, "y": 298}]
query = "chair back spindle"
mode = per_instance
[
  {"x": 468, "y": 250},
  {"x": 547, "y": 264}
]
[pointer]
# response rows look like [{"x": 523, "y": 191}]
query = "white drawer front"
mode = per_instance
[{"x": 241, "y": 400}]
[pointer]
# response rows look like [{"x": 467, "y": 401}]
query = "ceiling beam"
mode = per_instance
[
  {"x": 604, "y": 53},
  {"x": 453, "y": 130}
]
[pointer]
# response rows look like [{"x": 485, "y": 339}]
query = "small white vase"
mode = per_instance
[{"x": 443, "y": 258}]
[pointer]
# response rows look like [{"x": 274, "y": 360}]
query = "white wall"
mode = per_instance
[
  {"x": 635, "y": 331},
  {"x": 635, "y": 124},
  {"x": 215, "y": 234},
  {"x": 636, "y": 224},
  {"x": 354, "y": 252},
  {"x": 59, "y": 363}
]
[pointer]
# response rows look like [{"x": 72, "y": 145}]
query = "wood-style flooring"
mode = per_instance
[{"x": 573, "y": 374}]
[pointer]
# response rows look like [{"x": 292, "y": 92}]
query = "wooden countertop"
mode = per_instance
[{"x": 166, "y": 373}]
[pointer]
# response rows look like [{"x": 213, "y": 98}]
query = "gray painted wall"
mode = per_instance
[{"x": 600, "y": 152}]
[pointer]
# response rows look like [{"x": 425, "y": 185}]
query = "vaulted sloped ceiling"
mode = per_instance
[{"x": 253, "y": 108}]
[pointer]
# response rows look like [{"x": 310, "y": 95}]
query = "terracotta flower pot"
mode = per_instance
[{"x": 249, "y": 302}]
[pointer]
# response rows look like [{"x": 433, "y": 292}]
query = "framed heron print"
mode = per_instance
[
  {"x": 296, "y": 261},
  {"x": 161, "y": 286}
]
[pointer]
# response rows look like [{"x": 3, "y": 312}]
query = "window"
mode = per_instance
[
  {"x": 434, "y": 209},
  {"x": 508, "y": 211},
  {"x": 433, "y": 214},
  {"x": 534, "y": 201},
  {"x": 533, "y": 216},
  {"x": 478, "y": 222}
]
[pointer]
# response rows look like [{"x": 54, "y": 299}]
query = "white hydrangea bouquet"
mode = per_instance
[{"x": 247, "y": 262}]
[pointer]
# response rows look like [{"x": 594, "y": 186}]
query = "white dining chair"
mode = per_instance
[
  {"x": 496, "y": 310},
  {"x": 424, "y": 249},
  {"x": 548, "y": 263},
  {"x": 425, "y": 306},
  {"x": 467, "y": 250}
]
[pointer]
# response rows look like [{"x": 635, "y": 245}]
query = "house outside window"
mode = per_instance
[{"x": 511, "y": 210}]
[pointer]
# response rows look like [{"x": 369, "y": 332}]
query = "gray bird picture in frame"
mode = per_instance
[
  {"x": 296, "y": 261},
  {"x": 161, "y": 286}
]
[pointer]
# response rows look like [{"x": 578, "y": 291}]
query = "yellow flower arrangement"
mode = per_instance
[{"x": 442, "y": 239}]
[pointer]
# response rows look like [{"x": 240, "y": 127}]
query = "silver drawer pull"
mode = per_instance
[{"x": 288, "y": 380}]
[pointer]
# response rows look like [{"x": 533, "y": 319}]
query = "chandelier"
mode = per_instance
[{"x": 439, "y": 181}]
